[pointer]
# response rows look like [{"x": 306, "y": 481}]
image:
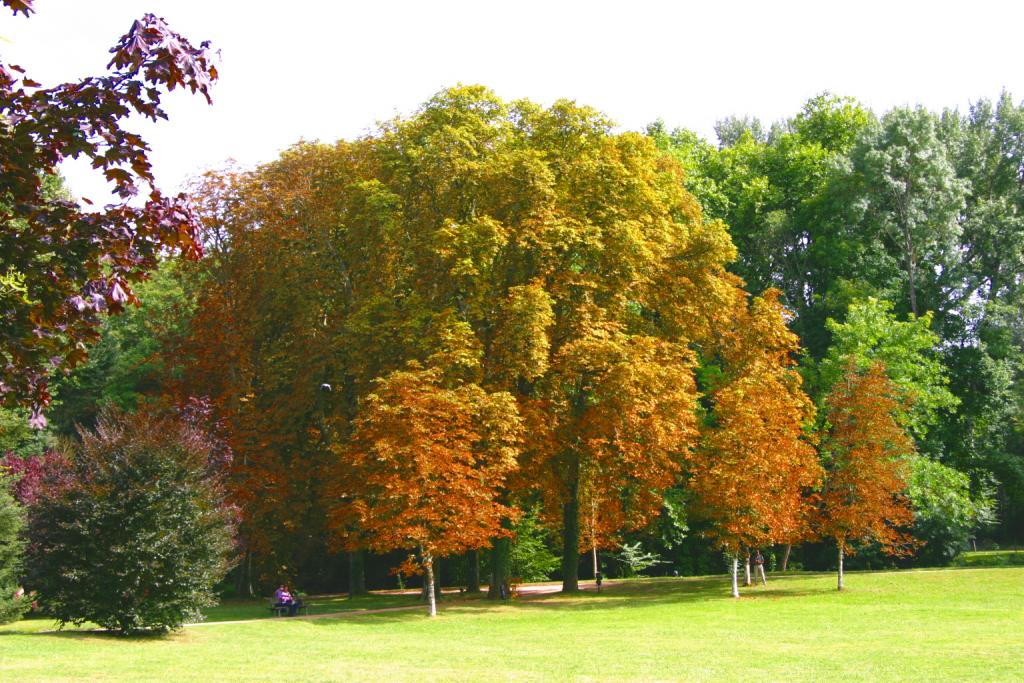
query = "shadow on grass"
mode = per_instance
[
  {"x": 658, "y": 591},
  {"x": 77, "y": 633},
  {"x": 631, "y": 594}
]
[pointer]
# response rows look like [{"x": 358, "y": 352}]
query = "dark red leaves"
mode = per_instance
[
  {"x": 23, "y": 6},
  {"x": 67, "y": 264}
]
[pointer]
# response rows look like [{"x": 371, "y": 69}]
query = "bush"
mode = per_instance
[
  {"x": 142, "y": 533},
  {"x": 13, "y": 604}
]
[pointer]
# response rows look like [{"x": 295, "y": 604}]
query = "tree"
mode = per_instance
[
  {"x": 61, "y": 264},
  {"x": 910, "y": 198},
  {"x": 143, "y": 533},
  {"x": 126, "y": 365},
  {"x": 425, "y": 467},
  {"x": 532, "y": 560},
  {"x": 757, "y": 463},
  {"x": 776, "y": 195},
  {"x": 621, "y": 412},
  {"x": 865, "y": 451},
  {"x": 947, "y": 513},
  {"x": 13, "y": 602},
  {"x": 871, "y": 333}
]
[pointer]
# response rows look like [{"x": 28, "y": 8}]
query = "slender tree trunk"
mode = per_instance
[
  {"x": 428, "y": 562},
  {"x": 438, "y": 581},
  {"x": 735, "y": 576},
  {"x": 593, "y": 539},
  {"x": 243, "y": 581},
  {"x": 356, "y": 573},
  {"x": 501, "y": 569},
  {"x": 911, "y": 269},
  {"x": 571, "y": 540},
  {"x": 764, "y": 579},
  {"x": 840, "y": 586},
  {"x": 785, "y": 556},
  {"x": 746, "y": 571},
  {"x": 473, "y": 571}
]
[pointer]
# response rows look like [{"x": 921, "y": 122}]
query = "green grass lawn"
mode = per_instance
[
  {"x": 990, "y": 558},
  {"x": 231, "y": 610},
  {"x": 961, "y": 624}
]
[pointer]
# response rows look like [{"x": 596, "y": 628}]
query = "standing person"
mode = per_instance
[{"x": 759, "y": 567}]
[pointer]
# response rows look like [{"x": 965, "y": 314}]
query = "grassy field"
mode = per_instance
[
  {"x": 990, "y": 558},
  {"x": 960, "y": 624}
]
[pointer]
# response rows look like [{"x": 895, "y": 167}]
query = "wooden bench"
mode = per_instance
[{"x": 282, "y": 610}]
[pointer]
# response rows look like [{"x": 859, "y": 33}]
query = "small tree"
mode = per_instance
[
  {"x": 425, "y": 468},
  {"x": 757, "y": 460},
  {"x": 12, "y": 521},
  {"x": 532, "y": 559},
  {"x": 866, "y": 469},
  {"x": 142, "y": 534}
]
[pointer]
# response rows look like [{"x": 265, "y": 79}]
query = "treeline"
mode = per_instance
[
  {"x": 489, "y": 308},
  {"x": 917, "y": 209}
]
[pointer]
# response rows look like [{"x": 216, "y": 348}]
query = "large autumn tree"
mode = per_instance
[
  {"x": 757, "y": 463},
  {"x": 64, "y": 264},
  {"x": 519, "y": 230},
  {"x": 866, "y": 448}
]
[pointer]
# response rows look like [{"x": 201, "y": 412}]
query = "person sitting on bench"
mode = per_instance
[{"x": 284, "y": 599}]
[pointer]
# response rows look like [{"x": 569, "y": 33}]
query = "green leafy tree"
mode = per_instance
[
  {"x": 13, "y": 602},
  {"x": 872, "y": 333},
  {"x": 946, "y": 512},
  {"x": 126, "y": 366},
  {"x": 907, "y": 195},
  {"x": 532, "y": 558},
  {"x": 142, "y": 534}
]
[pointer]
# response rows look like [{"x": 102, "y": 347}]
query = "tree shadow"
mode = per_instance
[{"x": 75, "y": 633}]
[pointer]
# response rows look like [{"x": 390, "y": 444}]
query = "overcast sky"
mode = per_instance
[{"x": 328, "y": 70}]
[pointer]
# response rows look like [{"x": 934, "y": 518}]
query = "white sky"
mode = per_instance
[{"x": 328, "y": 70}]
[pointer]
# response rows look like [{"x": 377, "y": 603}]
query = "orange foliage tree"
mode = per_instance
[
  {"x": 425, "y": 467},
  {"x": 617, "y": 420},
  {"x": 757, "y": 462},
  {"x": 865, "y": 453}
]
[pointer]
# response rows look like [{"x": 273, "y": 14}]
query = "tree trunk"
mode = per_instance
[
  {"x": 735, "y": 576},
  {"x": 764, "y": 578},
  {"x": 746, "y": 571},
  {"x": 911, "y": 269},
  {"x": 840, "y": 587},
  {"x": 438, "y": 581},
  {"x": 428, "y": 562},
  {"x": 501, "y": 569},
  {"x": 571, "y": 541},
  {"x": 356, "y": 573},
  {"x": 473, "y": 571},
  {"x": 785, "y": 556}
]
